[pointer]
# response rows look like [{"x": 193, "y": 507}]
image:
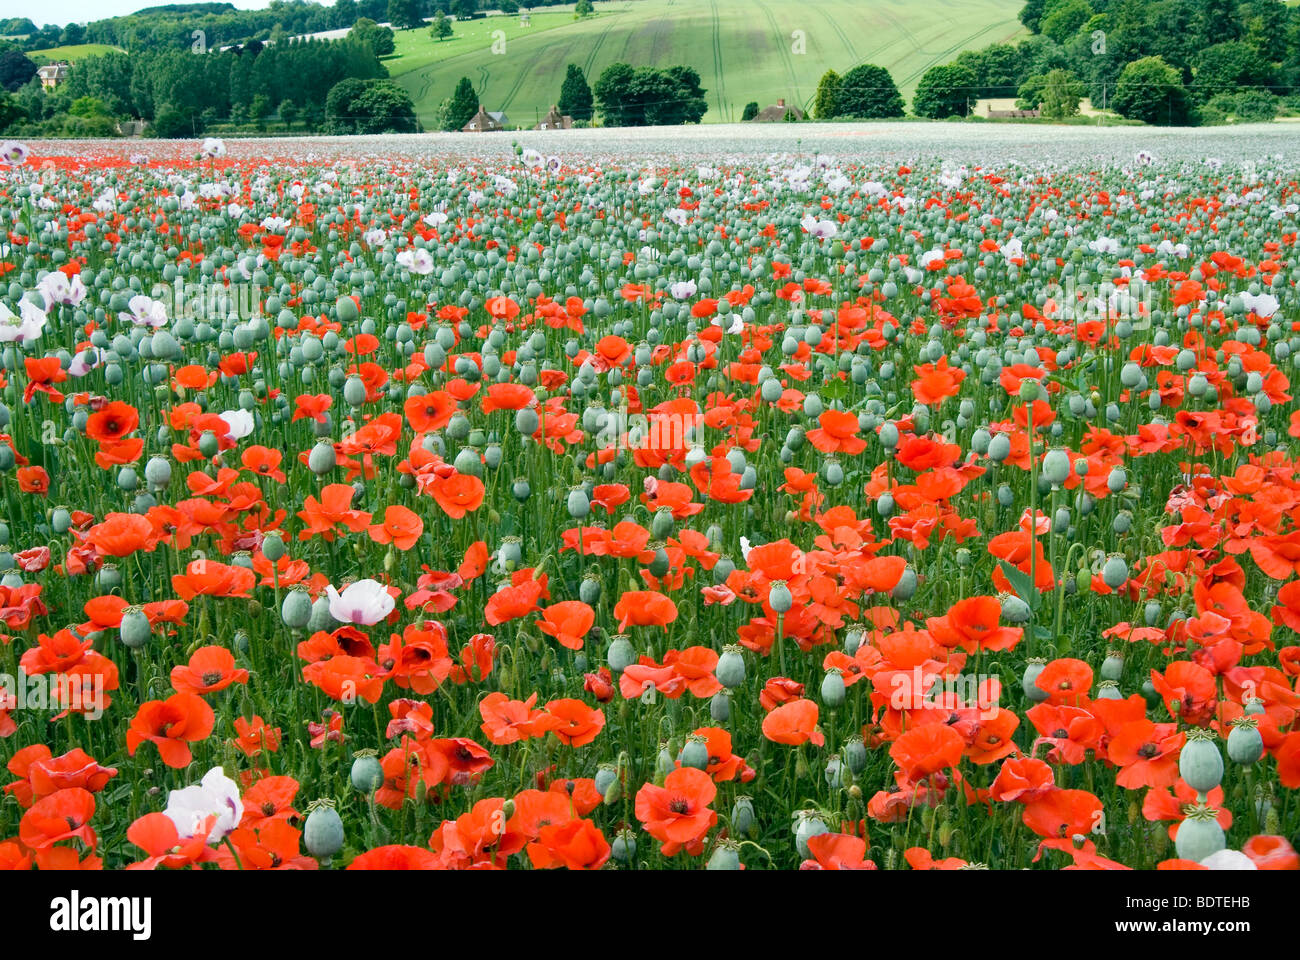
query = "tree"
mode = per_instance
[
  {"x": 1061, "y": 95},
  {"x": 613, "y": 94},
  {"x": 1152, "y": 91},
  {"x": 10, "y": 112},
  {"x": 1227, "y": 68},
  {"x": 73, "y": 35},
  {"x": 170, "y": 123},
  {"x": 89, "y": 107},
  {"x": 868, "y": 91},
  {"x": 406, "y": 14},
  {"x": 464, "y": 9},
  {"x": 635, "y": 97},
  {"x": 826, "y": 102},
  {"x": 1255, "y": 106},
  {"x": 288, "y": 111},
  {"x": 575, "y": 95},
  {"x": 381, "y": 39},
  {"x": 441, "y": 27},
  {"x": 258, "y": 110},
  {"x": 340, "y": 115},
  {"x": 583, "y": 8},
  {"x": 16, "y": 69},
  {"x": 1031, "y": 14},
  {"x": 464, "y": 104},
  {"x": 750, "y": 112},
  {"x": 944, "y": 91},
  {"x": 1061, "y": 18},
  {"x": 384, "y": 107}
]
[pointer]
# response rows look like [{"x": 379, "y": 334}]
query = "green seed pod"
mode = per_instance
[
  {"x": 1112, "y": 668},
  {"x": 296, "y": 609},
  {"x": 730, "y": 670},
  {"x": 322, "y": 834},
  {"x": 695, "y": 753},
  {"x": 1028, "y": 680},
  {"x": 620, "y": 654},
  {"x": 367, "y": 774},
  {"x": 273, "y": 547},
  {"x": 134, "y": 629},
  {"x": 1200, "y": 763},
  {"x": 779, "y": 598},
  {"x": 742, "y": 815},
  {"x": 726, "y": 856},
  {"x": 809, "y": 825},
  {"x": 1199, "y": 835},
  {"x": 1114, "y": 573},
  {"x": 322, "y": 458},
  {"x": 1245, "y": 744},
  {"x": 833, "y": 690}
]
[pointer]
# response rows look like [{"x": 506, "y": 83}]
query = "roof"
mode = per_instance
[
  {"x": 554, "y": 120},
  {"x": 485, "y": 120},
  {"x": 776, "y": 113}
]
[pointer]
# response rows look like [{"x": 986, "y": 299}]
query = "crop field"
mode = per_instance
[
  {"x": 868, "y": 496},
  {"x": 743, "y": 49}
]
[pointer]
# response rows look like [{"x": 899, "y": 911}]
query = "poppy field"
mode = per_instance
[{"x": 810, "y": 509}]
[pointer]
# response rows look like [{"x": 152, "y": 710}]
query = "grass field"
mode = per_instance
[
  {"x": 72, "y": 53},
  {"x": 743, "y": 49}
]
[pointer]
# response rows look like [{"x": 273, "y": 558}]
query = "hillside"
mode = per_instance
[{"x": 741, "y": 48}]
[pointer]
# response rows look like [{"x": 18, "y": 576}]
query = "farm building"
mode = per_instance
[
  {"x": 53, "y": 74},
  {"x": 486, "y": 121},
  {"x": 776, "y": 113},
  {"x": 554, "y": 120}
]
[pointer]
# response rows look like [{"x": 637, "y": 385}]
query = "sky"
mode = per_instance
[{"x": 82, "y": 11}]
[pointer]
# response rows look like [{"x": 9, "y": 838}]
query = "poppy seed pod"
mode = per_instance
[
  {"x": 623, "y": 849},
  {"x": 578, "y": 505},
  {"x": 726, "y": 856},
  {"x": 273, "y": 547},
  {"x": 779, "y": 599},
  {"x": 296, "y": 609},
  {"x": 720, "y": 707},
  {"x": 906, "y": 586},
  {"x": 1245, "y": 744},
  {"x": 742, "y": 814},
  {"x": 730, "y": 669},
  {"x": 620, "y": 654},
  {"x": 807, "y": 825},
  {"x": 695, "y": 753},
  {"x": 322, "y": 458},
  {"x": 1112, "y": 668},
  {"x": 833, "y": 690},
  {"x": 999, "y": 448},
  {"x": 1200, "y": 763},
  {"x": 367, "y": 774},
  {"x": 1114, "y": 572},
  {"x": 1056, "y": 466},
  {"x": 322, "y": 834},
  {"x": 1199, "y": 835},
  {"x": 134, "y": 629},
  {"x": 1029, "y": 680}
]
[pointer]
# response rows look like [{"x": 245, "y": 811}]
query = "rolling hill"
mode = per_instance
[{"x": 743, "y": 49}]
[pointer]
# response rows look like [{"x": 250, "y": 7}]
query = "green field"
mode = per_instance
[
  {"x": 743, "y": 49},
  {"x": 72, "y": 53}
]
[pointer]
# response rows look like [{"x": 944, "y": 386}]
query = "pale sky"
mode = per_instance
[{"x": 63, "y": 12}]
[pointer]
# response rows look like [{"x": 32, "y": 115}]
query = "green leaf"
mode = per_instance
[{"x": 1021, "y": 584}]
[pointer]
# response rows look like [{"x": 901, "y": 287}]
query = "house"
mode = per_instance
[
  {"x": 1009, "y": 114},
  {"x": 776, "y": 113},
  {"x": 554, "y": 120},
  {"x": 486, "y": 121},
  {"x": 53, "y": 74}
]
